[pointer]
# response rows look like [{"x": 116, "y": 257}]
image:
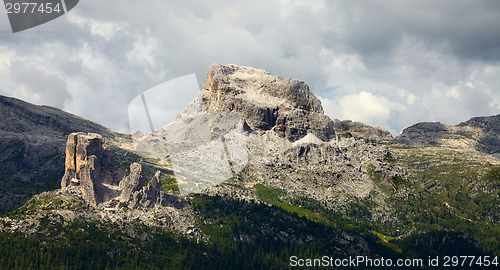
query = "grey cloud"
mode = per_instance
[
  {"x": 417, "y": 112},
  {"x": 475, "y": 103},
  {"x": 49, "y": 89},
  {"x": 466, "y": 29},
  {"x": 447, "y": 110},
  {"x": 189, "y": 37},
  {"x": 410, "y": 45}
]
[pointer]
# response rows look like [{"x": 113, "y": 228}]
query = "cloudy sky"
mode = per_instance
[{"x": 385, "y": 63}]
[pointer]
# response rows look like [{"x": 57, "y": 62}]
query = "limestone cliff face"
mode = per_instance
[
  {"x": 88, "y": 165},
  {"x": 266, "y": 102},
  {"x": 348, "y": 129},
  {"x": 132, "y": 182},
  {"x": 290, "y": 143},
  {"x": 90, "y": 174},
  {"x": 33, "y": 140},
  {"x": 152, "y": 194}
]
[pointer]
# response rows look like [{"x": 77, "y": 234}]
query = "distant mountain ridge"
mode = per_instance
[
  {"x": 32, "y": 143},
  {"x": 20, "y": 116},
  {"x": 480, "y": 133}
]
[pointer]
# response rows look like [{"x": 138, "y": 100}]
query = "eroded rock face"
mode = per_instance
[
  {"x": 423, "y": 134},
  {"x": 132, "y": 182},
  {"x": 482, "y": 133},
  {"x": 348, "y": 129},
  {"x": 153, "y": 194},
  {"x": 266, "y": 102},
  {"x": 89, "y": 165},
  {"x": 33, "y": 146},
  {"x": 90, "y": 173},
  {"x": 291, "y": 144},
  {"x": 333, "y": 173}
]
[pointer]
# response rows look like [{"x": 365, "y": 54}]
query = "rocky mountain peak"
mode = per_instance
[
  {"x": 260, "y": 86},
  {"x": 266, "y": 102},
  {"x": 89, "y": 174}
]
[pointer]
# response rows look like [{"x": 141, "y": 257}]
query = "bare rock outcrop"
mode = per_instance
[
  {"x": 479, "y": 133},
  {"x": 423, "y": 134},
  {"x": 266, "y": 102},
  {"x": 348, "y": 129},
  {"x": 89, "y": 165},
  {"x": 290, "y": 143},
  {"x": 132, "y": 182},
  {"x": 334, "y": 173},
  {"x": 153, "y": 194},
  {"x": 89, "y": 173},
  {"x": 33, "y": 140}
]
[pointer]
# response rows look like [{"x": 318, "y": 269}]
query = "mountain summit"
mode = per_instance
[{"x": 266, "y": 102}]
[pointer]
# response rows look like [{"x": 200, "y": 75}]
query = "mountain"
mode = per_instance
[
  {"x": 348, "y": 129},
  {"x": 479, "y": 133},
  {"x": 269, "y": 102},
  {"x": 32, "y": 148},
  {"x": 266, "y": 102},
  {"x": 249, "y": 174},
  {"x": 95, "y": 196},
  {"x": 454, "y": 179},
  {"x": 290, "y": 143}
]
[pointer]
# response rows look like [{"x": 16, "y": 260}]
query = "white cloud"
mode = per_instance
[
  {"x": 5, "y": 62},
  {"x": 144, "y": 51},
  {"x": 290, "y": 6},
  {"x": 347, "y": 62},
  {"x": 410, "y": 97},
  {"x": 363, "y": 107},
  {"x": 98, "y": 28},
  {"x": 453, "y": 92}
]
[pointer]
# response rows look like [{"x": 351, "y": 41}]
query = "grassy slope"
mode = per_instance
[
  {"x": 321, "y": 215},
  {"x": 451, "y": 189}
]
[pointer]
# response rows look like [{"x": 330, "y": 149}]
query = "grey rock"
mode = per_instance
[
  {"x": 423, "y": 134},
  {"x": 88, "y": 165},
  {"x": 132, "y": 182},
  {"x": 154, "y": 190},
  {"x": 90, "y": 175},
  {"x": 334, "y": 173},
  {"x": 32, "y": 146},
  {"x": 348, "y": 128},
  {"x": 153, "y": 194},
  {"x": 266, "y": 102},
  {"x": 484, "y": 133}
]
